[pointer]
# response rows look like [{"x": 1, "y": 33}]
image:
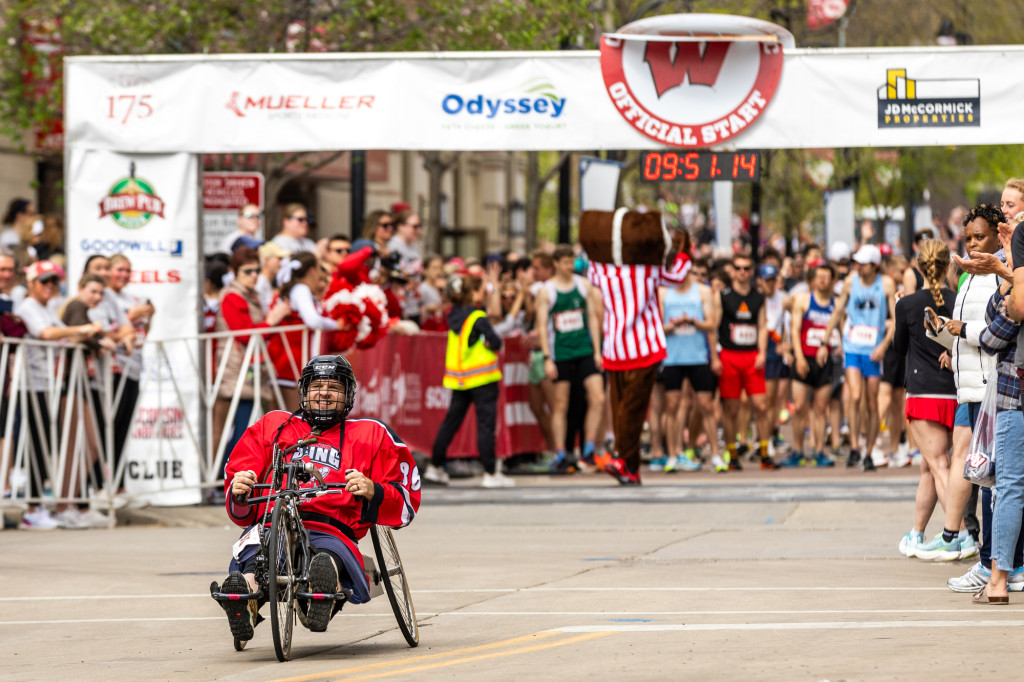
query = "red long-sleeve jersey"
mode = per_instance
[{"x": 368, "y": 446}]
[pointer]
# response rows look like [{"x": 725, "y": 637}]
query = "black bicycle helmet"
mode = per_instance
[{"x": 328, "y": 368}]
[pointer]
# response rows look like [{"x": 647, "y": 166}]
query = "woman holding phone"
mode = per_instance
[{"x": 931, "y": 392}]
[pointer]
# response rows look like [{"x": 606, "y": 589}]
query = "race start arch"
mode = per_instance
[{"x": 135, "y": 126}]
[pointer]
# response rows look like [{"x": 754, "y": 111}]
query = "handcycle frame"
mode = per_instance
[{"x": 289, "y": 541}]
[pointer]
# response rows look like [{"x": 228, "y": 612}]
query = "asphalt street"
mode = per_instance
[{"x": 759, "y": 575}]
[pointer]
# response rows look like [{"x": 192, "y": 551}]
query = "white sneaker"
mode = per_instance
[
  {"x": 38, "y": 519},
  {"x": 436, "y": 475},
  {"x": 100, "y": 501},
  {"x": 94, "y": 519},
  {"x": 900, "y": 458},
  {"x": 910, "y": 542},
  {"x": 879, "y": 458},
  {"x": 973, "y": 580},
  {"x": 70, "y": 519},
  {"x": 497, "y": 480}
]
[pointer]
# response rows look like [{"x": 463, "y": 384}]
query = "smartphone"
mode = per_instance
[{"x": 932, "y": 320}]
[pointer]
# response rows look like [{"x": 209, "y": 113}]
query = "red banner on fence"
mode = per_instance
[{"x": 400, "y": 384}]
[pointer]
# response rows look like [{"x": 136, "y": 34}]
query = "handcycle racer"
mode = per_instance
[{"x": 381, "y": 484}]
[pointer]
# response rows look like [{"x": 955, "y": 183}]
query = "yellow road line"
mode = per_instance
[
  {"x": 481, "y": 657},
  {"x": 428, "y": 657}
]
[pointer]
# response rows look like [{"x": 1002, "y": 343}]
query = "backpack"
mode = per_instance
[{"x": 12, "y": 326}]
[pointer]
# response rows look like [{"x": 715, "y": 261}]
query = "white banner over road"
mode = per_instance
[{"x": 885, "y": 97}]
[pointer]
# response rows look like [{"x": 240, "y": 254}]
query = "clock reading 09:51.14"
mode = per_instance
[{"x": 701, "y": 166}]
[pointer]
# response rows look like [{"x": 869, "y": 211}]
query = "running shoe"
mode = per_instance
[
  {"x": 618, "y": 470},
  {"x": 823, "y": 460},
  {"x": 70, "y": 519},
  {"x": 869, "y": 463},
  {"x": 1015, "y": 580},
  {"x": 241, "y": 614},
  {"x": 671, "y": 464},
  {"x": 734, "y": 462},
  {"x": 719, "y": 464},
  {"x": 853, "y": 460},
  {"x": 915, "y": 457},
  {"x": 900, "y": 458},
  {"x": 658, "y": 463},
  {"x": 323, "y": 579},
  {"x": 975, "y": 579},
  {"x": 687, "y": 462},
  {"x": 939, "y": 549},
  {"x": 39, "y": 519},
  {"x": 879, "y": 458},
  {"x": 795, "y": 459},
  {"x": 768, "y": 464},
  {"x": 910, "y": 542},
  {"x": 497, "y": 480},
  {"x": 437, "y": 475},
  {"x": 969, "y": 548}
]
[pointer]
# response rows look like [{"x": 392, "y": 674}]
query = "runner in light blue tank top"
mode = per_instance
[
  {"x": 865, "y": 317},
  {"x": 686, "y": 345}
]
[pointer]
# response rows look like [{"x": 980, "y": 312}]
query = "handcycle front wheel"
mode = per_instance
[
  {"x": 392, "y": 574},
  {"x": 281, "y": 580}
]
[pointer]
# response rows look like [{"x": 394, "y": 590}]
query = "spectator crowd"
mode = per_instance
[{"x": 868, "y": 358}]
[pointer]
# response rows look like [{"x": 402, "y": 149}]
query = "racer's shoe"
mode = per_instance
[
  {"x": 617, "y": 468},
  {"x": 241, "y": 614},
  {"x": 323, "y": 578}
]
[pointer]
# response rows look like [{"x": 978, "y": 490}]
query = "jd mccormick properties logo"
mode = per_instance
[
  {"x": 933, "y": 103},
  {"x": 700, "y": 89},
  {"x": 132, "y": 202}
]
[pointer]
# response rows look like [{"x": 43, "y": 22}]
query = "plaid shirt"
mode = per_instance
[{"x": 1000, "y": 339}]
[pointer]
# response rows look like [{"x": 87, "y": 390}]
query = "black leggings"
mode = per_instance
[
  {"x": 485, "y": 399},
  {"x": 39, "y": 437}
]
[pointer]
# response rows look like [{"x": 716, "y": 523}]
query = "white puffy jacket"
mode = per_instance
[{"x": 972, "y": 367}]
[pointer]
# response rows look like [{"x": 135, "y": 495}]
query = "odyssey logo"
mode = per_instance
[
  {"x": 241, "y": 104},
  {"x": 537, "y": 98}
]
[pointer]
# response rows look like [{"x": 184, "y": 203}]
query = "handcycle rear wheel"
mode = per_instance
[
  {"x": 392, "y": 574},
  {"x": 281, "y": 581}
]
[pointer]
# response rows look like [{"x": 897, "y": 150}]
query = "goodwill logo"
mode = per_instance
[
  {"x": 132, "y": 202},
  {"x": 171, "y": 247},
  {"x": 533, "y": 102},
  {"x": 928, "y": 103}
]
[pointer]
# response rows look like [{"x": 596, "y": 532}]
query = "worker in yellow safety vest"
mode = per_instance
[{"x": 472, "y": 373}]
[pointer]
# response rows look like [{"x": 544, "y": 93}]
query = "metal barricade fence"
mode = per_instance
[{"x": 59, "y": 432}]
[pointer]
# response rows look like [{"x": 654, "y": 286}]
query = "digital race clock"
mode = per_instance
[{"x": 742, "y": 166}]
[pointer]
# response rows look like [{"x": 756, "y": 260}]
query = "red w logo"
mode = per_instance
[{"x": 701, "y": 69}]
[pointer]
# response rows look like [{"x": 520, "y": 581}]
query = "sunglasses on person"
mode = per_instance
[
  {"x": 248, "y": 271},
  {"x": 299, "y": 218},
  {"x": 415, "y": 226},
  {"x": 387, "y": 225},
  {"x": 251, "y": 215},
  {"x": 743, "y": 268},
  {"x": 341, "y": 249}
]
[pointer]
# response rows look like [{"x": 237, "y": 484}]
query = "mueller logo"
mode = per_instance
[
  {"x": 536, "y": 98},
  {"x": 928, "y": 103},
  {"x": 693, "y": 80},
  {"x": 242, "y": 105},
  {"x": 132, "y": 202}
]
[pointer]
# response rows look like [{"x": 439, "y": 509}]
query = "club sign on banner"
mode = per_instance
[{"x": 144, "y": 206}]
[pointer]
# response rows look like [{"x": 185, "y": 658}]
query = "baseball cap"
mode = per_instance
[
  {"x": 43, "y": 270},
  {"x": 400, "y": 206},
  {"x": 839, "y": 251},
  {"x": 868, "y": 253},
  {"x": 272, "y": 250},
  {"x": 769, "y": 271},
  {"x": 246, "y": 240},
  {"x": 885, "y": 249}
]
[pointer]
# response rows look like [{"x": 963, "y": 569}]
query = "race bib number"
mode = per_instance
[
  {"x": 684, "y": 329},
  {"x": 569, "y": 321},
  {"x": 863, "y": 335},
  {"x": 251, "y": 537},
  {"x": 816, "y": 337},
  {"x": 743, "y": 334}
]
